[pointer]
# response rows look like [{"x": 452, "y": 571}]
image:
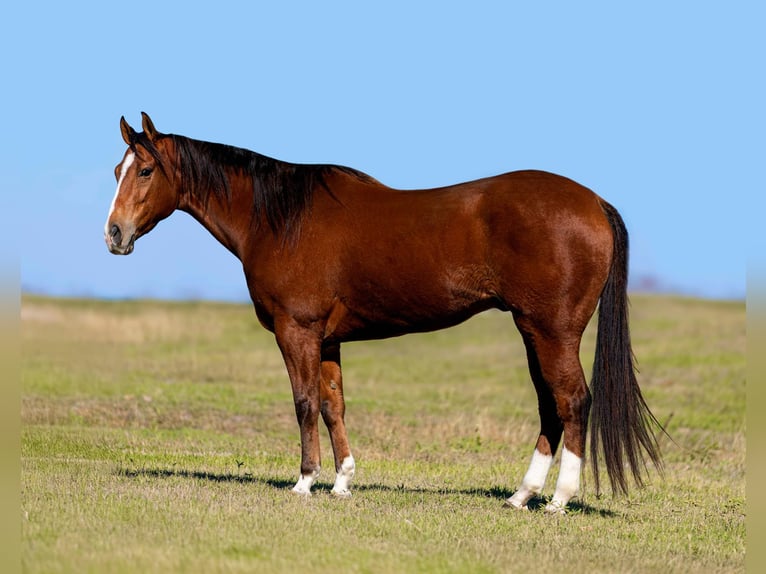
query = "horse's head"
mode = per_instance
[{"x": 147, "y": 186}]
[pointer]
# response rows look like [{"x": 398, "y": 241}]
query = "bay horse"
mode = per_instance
[{"x": 332, "y": 255}]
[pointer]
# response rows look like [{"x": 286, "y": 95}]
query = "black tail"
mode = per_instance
[{"x": 621, "y": 422}]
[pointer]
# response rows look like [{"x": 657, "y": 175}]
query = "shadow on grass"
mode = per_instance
[{"x": 535, "y": 504}]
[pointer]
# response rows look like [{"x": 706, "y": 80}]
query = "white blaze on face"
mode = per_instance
[{"x": 126, "y": 163}]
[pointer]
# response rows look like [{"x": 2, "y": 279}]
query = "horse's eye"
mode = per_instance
[{"x": 146, "y": 172}]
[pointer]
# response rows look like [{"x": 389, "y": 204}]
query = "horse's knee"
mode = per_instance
[
  {"x": 306, "y": 409},
  {"x": 330, "y": 410},
  {"x": 332, "y": 404}
]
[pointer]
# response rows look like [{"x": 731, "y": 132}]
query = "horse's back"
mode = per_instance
[{"x": 418, "y": 260}]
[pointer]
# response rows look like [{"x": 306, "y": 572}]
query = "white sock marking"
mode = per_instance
[
  {"x": 344, "y": 476},
  {"x": 126, "y": 163},
  {"x": 305, "y": 482},
  {"x": 568, "y": 483},
  {"x": 534, "y": 479}
]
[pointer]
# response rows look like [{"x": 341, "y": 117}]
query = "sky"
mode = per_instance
[{"x": 658, "y": 107}]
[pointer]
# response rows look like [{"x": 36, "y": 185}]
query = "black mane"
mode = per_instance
[{"x": 282, "y": 191}]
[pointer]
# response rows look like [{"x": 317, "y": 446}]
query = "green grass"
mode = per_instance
[{"x": 161, "y": 437}]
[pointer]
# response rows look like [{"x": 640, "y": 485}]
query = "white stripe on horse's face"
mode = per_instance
[{"x": 126, "y": 163}]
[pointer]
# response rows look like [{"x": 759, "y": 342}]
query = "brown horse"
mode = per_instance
[{"x": 332, "y": 255}]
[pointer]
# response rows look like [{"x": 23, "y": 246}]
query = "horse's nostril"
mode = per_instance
[{"x": 116, "y": 235}]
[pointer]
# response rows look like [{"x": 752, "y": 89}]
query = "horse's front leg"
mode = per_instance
[
  {"x": 301, "y": 350},
  {"x": 333, "y": 408}
]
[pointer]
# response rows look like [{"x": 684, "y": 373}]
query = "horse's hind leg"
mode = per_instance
[
  {"x": 551, "y": 429},
  {"x": 561, "y": 367},
  {"x": 333, "y": 409},
  {"x": 564, "y": 402}
]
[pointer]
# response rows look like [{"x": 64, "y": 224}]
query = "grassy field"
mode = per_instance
[{"x": 161, "y": 437}]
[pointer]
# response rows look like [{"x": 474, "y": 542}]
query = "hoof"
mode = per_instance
[
  {"x": 300, "y": 492},
  {"x": 509, "y": 503},
  {"x": 555, "y": 509},
  {"x": 345, "y": 493}
]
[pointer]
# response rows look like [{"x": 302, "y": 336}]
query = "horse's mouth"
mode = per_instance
[{"x": 118, "y": 249}]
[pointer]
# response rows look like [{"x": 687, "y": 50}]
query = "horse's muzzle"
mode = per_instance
[{"x": 114, "y": 241}]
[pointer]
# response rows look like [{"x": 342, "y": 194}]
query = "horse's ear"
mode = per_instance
[
  {"x": 127, "y": 132},
  {"x": 149, "y": 129}
]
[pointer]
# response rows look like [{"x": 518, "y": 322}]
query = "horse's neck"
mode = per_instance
[{"x": 229, "y": 220}]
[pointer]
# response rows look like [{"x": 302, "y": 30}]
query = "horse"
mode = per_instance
[{"x": 332, "y": 255}]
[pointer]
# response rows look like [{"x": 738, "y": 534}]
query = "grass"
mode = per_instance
[{"x": 161, "y": 437}]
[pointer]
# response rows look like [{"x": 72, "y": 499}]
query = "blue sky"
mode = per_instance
[{"x": 658, "y": 107}]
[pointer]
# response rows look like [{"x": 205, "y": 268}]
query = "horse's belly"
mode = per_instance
[{"x": 380, "y": 312}]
